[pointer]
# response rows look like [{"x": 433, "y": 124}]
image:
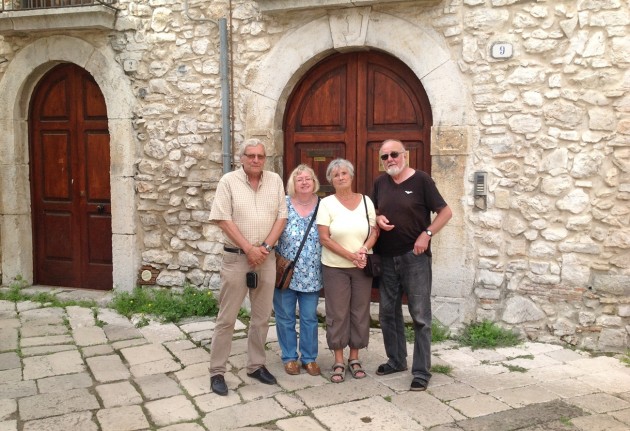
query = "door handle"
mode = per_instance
[{"x": 100, "y": 209}]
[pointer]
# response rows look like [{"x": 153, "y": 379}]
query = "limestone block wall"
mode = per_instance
[{"x": 549, "y": 254}]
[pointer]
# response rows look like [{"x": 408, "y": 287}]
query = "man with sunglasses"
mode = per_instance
[
  {"x": 404, "y": 199},
  {"x": 250, "y": 208}
]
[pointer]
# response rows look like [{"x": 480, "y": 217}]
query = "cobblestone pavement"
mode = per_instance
[{"x": 62, "y": 369}]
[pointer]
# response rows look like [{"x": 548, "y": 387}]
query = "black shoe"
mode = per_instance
[
  {"x": 385, "y": 369},
  {"x": 417, "y": 384},
  {"x": 263, "y": 376},
  {"x": 218, "y": 386}
]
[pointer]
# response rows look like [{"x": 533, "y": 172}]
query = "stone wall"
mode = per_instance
[{"x": 549, "y": 250}]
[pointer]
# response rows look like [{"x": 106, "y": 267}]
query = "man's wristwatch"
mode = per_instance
[
  {"x": 429, "y": 233},
  {"x": 267, "y": 246}
]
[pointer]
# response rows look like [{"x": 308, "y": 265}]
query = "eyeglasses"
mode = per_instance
[
  {"x": 255, "y": 156},
  {"x": 394, "y": 155},
  {"x": 303, "y": 180}
]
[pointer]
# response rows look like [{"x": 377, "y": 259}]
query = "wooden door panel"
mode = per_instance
[
  {"x": 324, "y": 106},
  {"x": 56, "y": 166},
  {"x": 55, "y": 102},
  {"x": 70, "y": 182},
  {"x": 399, "y": 111},
  {"x": 318, "y": 155},
  {"x": 58, "y": 227},
  {"x": 97, "y": 167},
  {"x": 94, "y": 107},
  {"x": 100, "y": 231}
]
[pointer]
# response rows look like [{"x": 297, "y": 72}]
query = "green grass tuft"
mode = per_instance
[
  {"x": 166, "y": 304},
  {"x": 441, "y": 369},
  {"x": 487, "y": 334},
  {"x": 439, "y": 332}
]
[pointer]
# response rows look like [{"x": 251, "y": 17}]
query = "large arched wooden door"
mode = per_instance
[
  {"x": 70, "y": 184},
  {"x": 346, "y": 105}
]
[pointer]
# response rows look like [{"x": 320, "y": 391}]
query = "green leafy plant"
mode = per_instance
[
  {"x": 626, "y": 358},
  {"x": 441, "y": 369},
  {"x": 515, "y": 368},
  {"x": 167, "y": 305},
  {"x": 439, "y": 332},
  {"x": 487, "y": 334},
  {"x": 566, "y": 421}
]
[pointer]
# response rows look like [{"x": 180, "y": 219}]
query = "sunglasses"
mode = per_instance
[
  {"x": 393, "y": 154},
  {"x": 255, "y": 156}
]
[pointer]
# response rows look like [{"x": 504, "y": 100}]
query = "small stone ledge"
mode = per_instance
[
  {"x": 98, "y": 17},
  {"x": 287, "y": 5}
]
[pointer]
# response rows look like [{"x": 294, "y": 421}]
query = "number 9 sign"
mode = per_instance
[{"x": 501, "y": 50}]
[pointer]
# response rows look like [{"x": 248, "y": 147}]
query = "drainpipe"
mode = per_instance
[
  {"x": 226, "y": 144},
  {"x": 225, "y": 97}
]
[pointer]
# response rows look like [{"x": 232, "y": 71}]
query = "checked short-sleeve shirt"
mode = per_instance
[{"x": 253, "y": 211}]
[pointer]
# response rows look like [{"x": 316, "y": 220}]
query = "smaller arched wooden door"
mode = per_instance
[
  {"x": 346, "y": 106},
  {"x": 70, "y": 183}
]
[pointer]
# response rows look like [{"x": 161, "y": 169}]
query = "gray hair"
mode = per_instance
[
  {"x": 337, "y": 164},
  {"x": 386, "y": 141},
  {"x": 251, "y": 142}
]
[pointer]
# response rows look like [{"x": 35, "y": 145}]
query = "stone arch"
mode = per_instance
[
  {"x": 269, "y": 83},
  {"x": 16, "y": 88},
  {"x": 423, "y": 50}
]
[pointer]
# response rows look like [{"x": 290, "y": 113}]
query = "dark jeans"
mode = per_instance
[{"x": 408, "y": 274}]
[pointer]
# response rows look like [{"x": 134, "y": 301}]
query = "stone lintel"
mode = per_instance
[
  {"x": 97, "y": 17},
  {"x": 286, "y": 5}
]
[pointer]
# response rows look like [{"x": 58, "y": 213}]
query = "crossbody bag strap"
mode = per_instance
[
  {"x": 368, "y": 218},
  {"x": 307, "y": 231}
]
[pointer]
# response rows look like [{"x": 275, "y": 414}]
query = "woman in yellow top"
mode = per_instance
[{"x": 347, "y": 237}]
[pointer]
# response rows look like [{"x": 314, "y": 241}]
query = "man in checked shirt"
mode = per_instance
[{"x": 250, "y": 208}]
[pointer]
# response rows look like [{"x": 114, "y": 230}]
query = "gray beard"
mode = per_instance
[{"x": 394, "y": 170}]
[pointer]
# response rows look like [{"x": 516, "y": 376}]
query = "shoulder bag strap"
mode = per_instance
[
  {"x": 367, "y": 217},
  {"x": 307, "y": 231}
]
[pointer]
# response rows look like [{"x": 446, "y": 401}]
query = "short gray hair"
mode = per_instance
[
  {"x": 336, "y": 164},
  {"x": 251, "y": 142}
]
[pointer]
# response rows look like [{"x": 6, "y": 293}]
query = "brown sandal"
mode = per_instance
[
  {"x": 292, "y": 368},
  {"x": 312, "y": 368}
]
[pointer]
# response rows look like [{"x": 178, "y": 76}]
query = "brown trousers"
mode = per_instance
[
  {"x": 233, "y": 292},
  {"x": 348, "y": 292}
]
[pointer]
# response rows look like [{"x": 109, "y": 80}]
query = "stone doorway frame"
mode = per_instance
[
  {"x": 16, "y": 88},
  {"x": 269, "y": 82}
]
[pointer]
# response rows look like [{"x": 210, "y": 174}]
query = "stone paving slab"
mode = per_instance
[
  {"x": 69, "y": 422},
  {"x": 129, "y": 418},
  {"x": 168, "y": 411},
  {"x": 158, "y": 386},
  {"x": 55, "y": 364},
  {"x": 53, "y": 404},
  {"x": 89, "y": 336},
  {"x": 108, "y": 368},
  {"x": 242, "y": 415},
  {"x": 369, "y": 414},
  {"x": 515, "y": 419},
  {"x": 118, "y": 394}
]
